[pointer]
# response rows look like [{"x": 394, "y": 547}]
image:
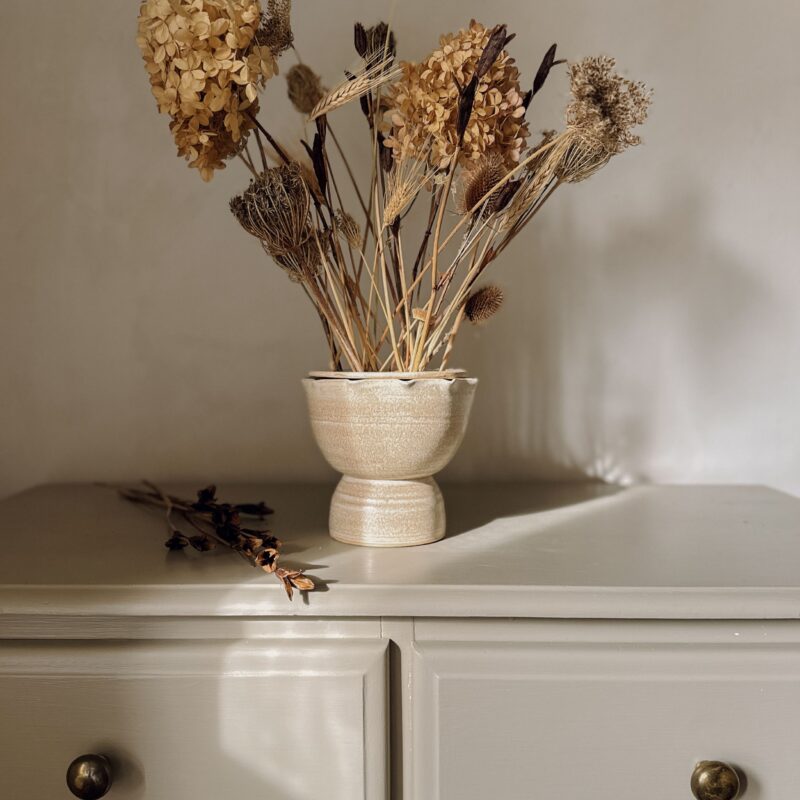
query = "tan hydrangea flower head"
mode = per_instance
[
  {"x": 423, "y": 103},
  {"x": 205, "y": 70}
]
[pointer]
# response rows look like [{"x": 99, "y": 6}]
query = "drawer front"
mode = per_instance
[
  {"x": 274, "y": 719},
  {"x": 574, "y": 710}
]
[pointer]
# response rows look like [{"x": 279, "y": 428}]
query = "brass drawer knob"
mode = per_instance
[
  {"x": 89, "y": 776},
  {"x": 715, "y": 780}
]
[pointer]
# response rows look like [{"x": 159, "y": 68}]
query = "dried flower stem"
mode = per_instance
[
  {"x": 275, "y": 146},
  {"x": 220, "y": 524},
  {"x": 434, "y": 261},
  {"x": 455, "y": 120}
]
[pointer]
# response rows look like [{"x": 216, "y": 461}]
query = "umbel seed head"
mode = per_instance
[{"x": 483, "y": 303}]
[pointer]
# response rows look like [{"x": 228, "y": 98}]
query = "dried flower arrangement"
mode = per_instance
[
  {"x": 454, "y": 127},
  {"x": 217, "y": 523}
]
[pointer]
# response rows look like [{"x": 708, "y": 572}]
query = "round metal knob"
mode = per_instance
[
  {"x": 89, "y": 776},
  {"x": 715, "y": 780}
]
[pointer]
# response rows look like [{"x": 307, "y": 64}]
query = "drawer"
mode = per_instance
[
  {"x": 610, "y": 712},
  {"x": 281, "y": 719}
]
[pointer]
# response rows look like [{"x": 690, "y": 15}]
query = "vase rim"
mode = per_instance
[{"x": 448, "y": 374}]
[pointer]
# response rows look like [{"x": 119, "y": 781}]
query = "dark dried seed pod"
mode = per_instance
[
  {"x": 254, "y": 509},
  {"x": 380, "y": 43},
  {"x": 466, "y": 101},
  {"x": 202, "y": 543},
  {"x": 176, "y": 542},
  {"x": 497, "y": 41},
  {"x": 548, "y": 62},
  {"x": 360, "y": 39}
]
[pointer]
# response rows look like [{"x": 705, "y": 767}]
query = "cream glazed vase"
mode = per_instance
[{"x": 388, "y": 434}]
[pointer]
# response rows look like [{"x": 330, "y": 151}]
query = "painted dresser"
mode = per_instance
[{"x": 563, "y": 642}]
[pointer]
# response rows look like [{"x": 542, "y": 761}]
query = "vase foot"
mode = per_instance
[{"x": 384, "y": 513}]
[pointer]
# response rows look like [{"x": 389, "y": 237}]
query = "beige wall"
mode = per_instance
[{"x": 652, "y": 328}]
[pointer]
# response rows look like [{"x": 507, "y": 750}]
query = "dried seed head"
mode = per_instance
[
  {"x": 348, "y": 228},
  {"x": 275, "y": 31},
  {"x": 355, "y": 87},
  {"x": 580, "y": 157},
  {"x": 404, "y": 182},
  {"x": 275, "y": 208},
  {"x": 304, "y": 88},
  {"x": 605, "y": 106},
  {"x": 483, "y": 303},
  {"x": 478, "y": 181}
]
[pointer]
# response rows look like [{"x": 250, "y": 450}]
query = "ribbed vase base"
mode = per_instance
[{"x": 384, "y": 513}]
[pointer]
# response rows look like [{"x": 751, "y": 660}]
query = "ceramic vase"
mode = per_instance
[{"x": 388, "y": 434}]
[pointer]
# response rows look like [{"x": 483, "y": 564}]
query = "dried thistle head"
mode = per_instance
[
  {"x": 348, "y": 228},
  {"x": 424, "y": 103},
  {"x": 479, "y": 179},
  {"x": 483, "y": 303},
  {"x": 206, "y": 68},
  {"x": 275, "y": 30},
  {"x": 605, "y": 106},
  {"x": 304, "y": 88},
  {"x": 275, "y": 208}
]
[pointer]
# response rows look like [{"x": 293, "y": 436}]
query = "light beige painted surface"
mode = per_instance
[
  {"x": 650, "y": 330},
  {"x": 202, "y": 701},
  {"x": 619, "y": 712},
  {"x": 284, "y": 719},
  {"x": 585, "y": 551}
]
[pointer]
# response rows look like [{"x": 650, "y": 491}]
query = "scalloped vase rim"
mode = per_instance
[{"x": 430, "y": 375}]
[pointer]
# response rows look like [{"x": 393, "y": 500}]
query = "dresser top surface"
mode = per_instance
[{"x": 512, "y": 550}]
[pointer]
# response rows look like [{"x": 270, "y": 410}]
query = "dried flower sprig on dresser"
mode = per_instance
[
  {"x": 207, "y": 523},
  {"x": 391, "y": 278}
]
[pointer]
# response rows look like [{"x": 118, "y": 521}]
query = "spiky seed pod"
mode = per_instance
[
  {"x": 275, "y": 30},
  {"x": 483, "y": 303},
  {"x": 304, "y": 88},
  {"x": 479, "y": 180}
]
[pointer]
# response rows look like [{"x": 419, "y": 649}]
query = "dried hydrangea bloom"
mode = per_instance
[
  {"x": 205, "y": 70},
  {"x": 423, "y": 103},
  {"x": 605, "y": 107}
]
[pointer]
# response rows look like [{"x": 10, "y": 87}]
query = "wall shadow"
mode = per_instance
[{"x": 562, "y": 394}]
